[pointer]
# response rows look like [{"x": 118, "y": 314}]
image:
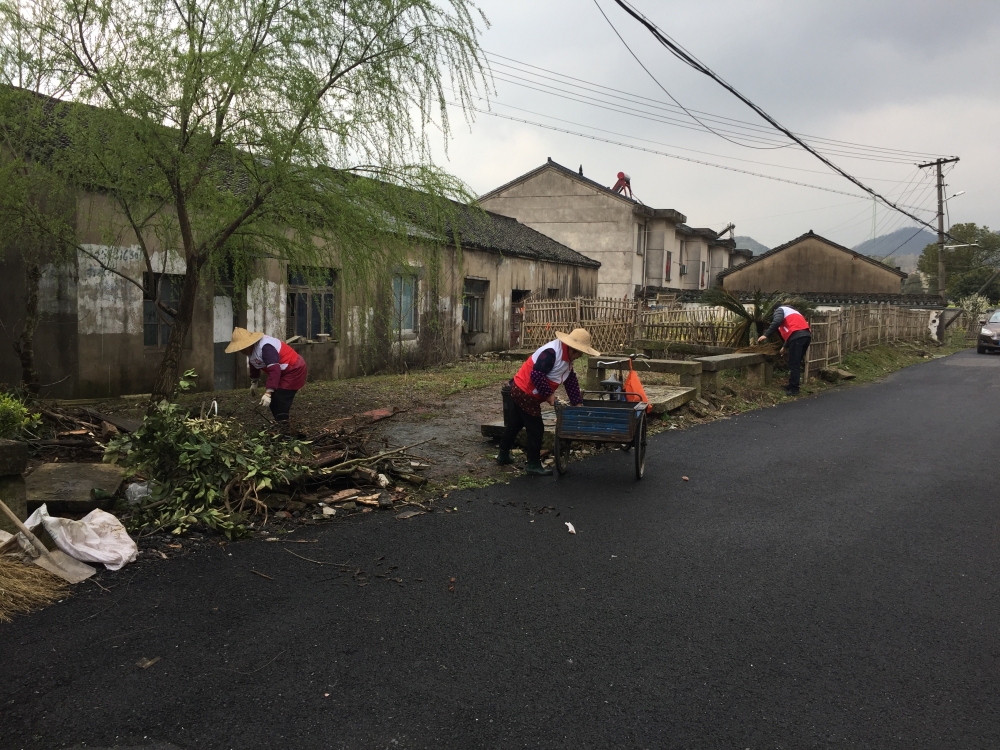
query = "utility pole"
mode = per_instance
[{"x": 942, "y": 277}]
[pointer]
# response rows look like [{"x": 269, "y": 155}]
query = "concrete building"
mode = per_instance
[
  {"x": 100, "y": 336},
  {"x": 641, "y": 249},
  {"x": 813, "y": 264}
]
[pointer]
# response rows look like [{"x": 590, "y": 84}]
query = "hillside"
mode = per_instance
[
  {"x": 751, "y": 244},
  {"x": 905, "y": 241}
]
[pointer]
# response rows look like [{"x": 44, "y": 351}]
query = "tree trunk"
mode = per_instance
[
  {"x": 25, "y": 344},
  {"x": 169, "y": 371}
]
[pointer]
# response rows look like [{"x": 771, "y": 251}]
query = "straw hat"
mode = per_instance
[
  {"x": 580, "y": 340},
  {"x": 242, "y": 338}
]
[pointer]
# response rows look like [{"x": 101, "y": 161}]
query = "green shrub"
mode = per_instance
[
  {"x": 203, "y": 471},
  {"x": 15, "y": 417}
]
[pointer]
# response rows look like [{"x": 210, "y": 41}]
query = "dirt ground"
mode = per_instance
[{"x": 447, "y": 405}]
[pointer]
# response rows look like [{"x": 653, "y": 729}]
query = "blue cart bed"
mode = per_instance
[{"x": 601, "y": 421}]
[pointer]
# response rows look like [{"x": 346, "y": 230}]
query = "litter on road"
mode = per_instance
[{"x": 570, "y": 528}]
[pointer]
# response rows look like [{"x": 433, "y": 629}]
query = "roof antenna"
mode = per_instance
[{"x": 581, "y": 170}]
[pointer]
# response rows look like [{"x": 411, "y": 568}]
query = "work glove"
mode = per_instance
[
  {"x": 253, "y": 390},
  {"x": 265, "y": 400}
]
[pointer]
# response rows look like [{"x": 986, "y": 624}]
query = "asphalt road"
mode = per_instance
[{"x": 827, "y": 578}]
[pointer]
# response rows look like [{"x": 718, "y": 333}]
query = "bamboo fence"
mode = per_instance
[
  {"x": 614, "y": 324},
  {"x": 700, "y": 325},
  {"x": 853, "y": 329},
  {"x": 611, "y": 322}
]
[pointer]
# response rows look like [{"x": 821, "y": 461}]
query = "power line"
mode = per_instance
[
  {"x": 659, "y": 153},
  {"x": 673, "y": 98},
  {"x": 670, "y": 145},
  {"x": 653, "y": 117},
  {"x": 686, "y": 57},
  {"x": 658, "y": 104}
]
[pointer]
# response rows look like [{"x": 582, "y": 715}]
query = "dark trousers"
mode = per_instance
[
  {"x": 281, "y": 403},
  {"x": 515, "y": 418},
  {"x": 796, "y": 349}
]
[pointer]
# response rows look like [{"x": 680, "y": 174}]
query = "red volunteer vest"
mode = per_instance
[
  {"x": 793, "y": 321},
  {"x": 560, "y": 371}
]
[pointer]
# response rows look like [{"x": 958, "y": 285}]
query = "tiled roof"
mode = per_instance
[
  {"x": 485, "y": 230},
  {"x": 565, "y": 170},
  {"x": 808, "y": 235}
]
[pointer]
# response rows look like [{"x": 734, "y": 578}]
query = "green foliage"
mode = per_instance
[
  {"x": 15, "y": 417},
  {"x": 238, "y": 130},
  {"x": 966, "y": 268},
  {"x": 974, "y": 304},
  {"x": 754, "y": 316},
  {"x": 203, "y": 471}
]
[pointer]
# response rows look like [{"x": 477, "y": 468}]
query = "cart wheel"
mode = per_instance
[
  {"x": 640, "y": 446},
  {"x": 560, "y": 452}
]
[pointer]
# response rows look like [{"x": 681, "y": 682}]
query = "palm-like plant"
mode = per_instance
[{"x": 755, "y": 315}]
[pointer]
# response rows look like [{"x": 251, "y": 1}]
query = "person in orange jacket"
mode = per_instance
[
  {"x": 796, "y": 334},
  {"x": 545, "y": 370}
]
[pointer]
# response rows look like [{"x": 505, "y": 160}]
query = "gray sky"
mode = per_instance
[{"x": 914, "y": 76}]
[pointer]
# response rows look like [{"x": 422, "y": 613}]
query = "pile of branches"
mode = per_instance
[
  {"x": 353, "y": 463},
  {"x": 77, "y": 433}
]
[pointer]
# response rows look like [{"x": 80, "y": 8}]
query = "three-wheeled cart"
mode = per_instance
[{"x": 603, "y": 418}]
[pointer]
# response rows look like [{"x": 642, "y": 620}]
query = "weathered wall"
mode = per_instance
[
  {"x": 595, "y": 224},
  {"x": 112, "y": 359},
  {"x": 505, "y": 274},
  {"x": 55, "y": 337},
  {"x": 813, "y": 266}
]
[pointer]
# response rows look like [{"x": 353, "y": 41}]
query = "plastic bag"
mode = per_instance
[
  {"x": 98, "y": 537},
  {"x": 633, "y": 388}
]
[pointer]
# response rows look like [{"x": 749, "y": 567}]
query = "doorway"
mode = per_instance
[{"x": 517, "y": 300}]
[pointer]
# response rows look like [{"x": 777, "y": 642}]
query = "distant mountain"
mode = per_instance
[
  {"x": 905, "y": 241},
  {"x": 749, "y": 243}
]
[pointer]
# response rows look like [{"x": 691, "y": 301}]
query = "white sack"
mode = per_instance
[{"x": 98, "y": 537}]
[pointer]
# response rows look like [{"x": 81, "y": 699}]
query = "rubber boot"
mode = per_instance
[
  {"x": 504, "y": 458},
  {"x": 535, "y": 469}
]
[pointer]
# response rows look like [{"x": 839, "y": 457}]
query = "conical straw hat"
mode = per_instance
[
  {"x": 242, "y": 338},
  {"x": 580, "y": 340}
]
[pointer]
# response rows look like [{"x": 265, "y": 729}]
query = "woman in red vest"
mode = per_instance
[
  {"x": 795, "y": 332},
  {"x": 286, "y": 370},
  {"x": 544, "y": 371}
]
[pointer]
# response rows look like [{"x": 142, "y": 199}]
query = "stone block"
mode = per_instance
[
  {"x": 13, "y": 457},
  {"x": 67, "y": 487},
  {"x": 13, "y": 494}
]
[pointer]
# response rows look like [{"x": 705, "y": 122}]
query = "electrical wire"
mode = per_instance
[
  {"x": 659, "y": 153},
  {"x": 668, "y": 145},
  {"x": 686, "y": 57},
  {"x": 658, "y": 104},
  {"x": 674, "y": 99},
  {"x": 653, "y": 117}
]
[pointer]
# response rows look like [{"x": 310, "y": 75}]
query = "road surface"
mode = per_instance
[{"x": 827, "y": 578}]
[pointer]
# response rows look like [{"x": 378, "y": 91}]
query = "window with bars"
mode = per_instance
[
  {"x": 669, "y": 265},
  {"x": 474, "y": 305},
  {"x": 310, "y": 309},
  {"x": 156, "y": 323},
  {"x": 404, "y": 293},
  {"x": 704, "y": 278}
]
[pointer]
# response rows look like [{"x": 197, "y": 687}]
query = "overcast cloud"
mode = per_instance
[{"x": 919, "y": 76}]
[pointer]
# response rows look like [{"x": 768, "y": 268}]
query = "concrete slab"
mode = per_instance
[
  {"x": 666, "y": 398},
  {"x": 66, "y": 487}
]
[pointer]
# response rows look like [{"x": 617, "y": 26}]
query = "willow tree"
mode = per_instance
[
  {"x": 234, "y": 130},
  {"x": 36, "y": 207}
]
